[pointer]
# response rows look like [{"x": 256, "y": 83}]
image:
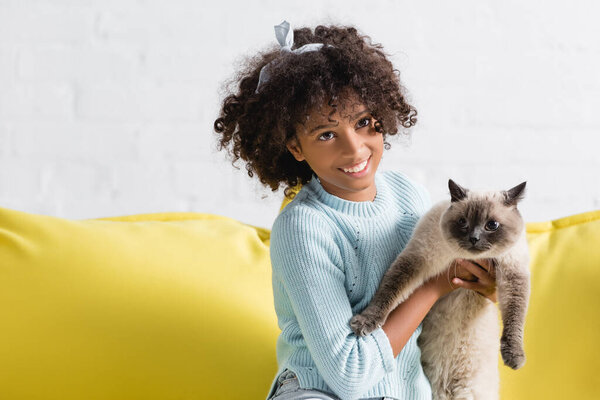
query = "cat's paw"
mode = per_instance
[
  {"x": 512, "y": 355},
  {"x": 363, "y": 324}
]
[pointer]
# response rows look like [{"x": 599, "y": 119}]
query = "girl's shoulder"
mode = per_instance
[
  {"x": 399, "y": 179},
  {"x": 299, "y": 213},
  {"x": 303, "y": 229},
  {"x": 411, "y": 194}
]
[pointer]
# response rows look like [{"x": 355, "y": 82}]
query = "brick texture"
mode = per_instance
[{"x": 107, "y": 107}]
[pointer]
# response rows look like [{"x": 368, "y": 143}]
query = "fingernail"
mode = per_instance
[{"x": 455, "y": 280}]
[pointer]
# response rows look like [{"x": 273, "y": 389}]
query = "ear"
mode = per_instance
[
  {"x": 514, "y": 195},
  {"x": 294, "y": 148},
  {"x": 457, "y": 192}
]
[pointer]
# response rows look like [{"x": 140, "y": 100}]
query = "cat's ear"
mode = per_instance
[
  {"x": 457, "y": 192},
  {"x": 514, "y": 195}
]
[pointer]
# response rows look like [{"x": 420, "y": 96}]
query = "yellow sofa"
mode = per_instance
[{"x": 179, "y": 306}]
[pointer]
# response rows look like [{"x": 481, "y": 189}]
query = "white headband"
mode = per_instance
[{"x": 285, "y": 37}]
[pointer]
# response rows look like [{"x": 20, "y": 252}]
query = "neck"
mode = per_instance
[{"x": 367, "y": 194}]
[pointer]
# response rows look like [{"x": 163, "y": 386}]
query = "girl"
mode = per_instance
[{"x": 316, "y": 112}]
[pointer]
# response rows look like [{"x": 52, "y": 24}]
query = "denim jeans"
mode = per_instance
[{"x": 288, "y": 388}]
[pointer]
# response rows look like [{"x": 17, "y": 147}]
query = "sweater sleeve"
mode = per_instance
[{"x": 306, "y": 259}]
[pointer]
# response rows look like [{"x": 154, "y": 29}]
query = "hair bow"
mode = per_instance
[{"x": 285, "y": 37}]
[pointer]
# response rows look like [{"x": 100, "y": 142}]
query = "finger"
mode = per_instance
[
  {"x": 480, "y": 285},
  {"x": 483, "y": 264},
  {"x": 467, "y": 284},
  {"x": 487, "y": 264},
  {"x": 463, "y": 273},
  {"x": 476, "y": 270},
  {"x": 486, "y": 276},
  {"x": 492, "y": 269},
  {"x": 482, "y": 290}
]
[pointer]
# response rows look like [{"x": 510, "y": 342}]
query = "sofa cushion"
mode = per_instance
[
  {"x": 562, "y": 330},
  {"x": 156, "y": 306},
  {"x": 180, "y": 306}
]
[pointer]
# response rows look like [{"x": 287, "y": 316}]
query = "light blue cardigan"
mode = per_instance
[{"x": 328, "y": 256}]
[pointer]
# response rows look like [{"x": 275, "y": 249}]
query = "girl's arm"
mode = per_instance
[
  {"x": 307, "y": 263},
  {"x": 404, "y": 319}
]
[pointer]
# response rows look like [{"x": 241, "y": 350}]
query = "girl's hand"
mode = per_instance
[{"x": 477, "y": 275}]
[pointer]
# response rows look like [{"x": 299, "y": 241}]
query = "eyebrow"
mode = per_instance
[{"x": 358, "y": 114}]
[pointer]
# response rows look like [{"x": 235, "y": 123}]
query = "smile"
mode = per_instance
[{"x": 357, "y": 169}]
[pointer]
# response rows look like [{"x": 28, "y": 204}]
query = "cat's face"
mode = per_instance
[{"x": 482, "y": 224}]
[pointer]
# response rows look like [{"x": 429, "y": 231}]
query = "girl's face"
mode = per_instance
[{"x": 343, "y": 151}]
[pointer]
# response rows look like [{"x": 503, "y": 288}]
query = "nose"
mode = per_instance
[
  {"x": 352, "y": 143},
  {"x": 473, "y": 239}
]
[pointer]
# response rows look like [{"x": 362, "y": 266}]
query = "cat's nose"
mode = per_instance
[{"x": 473, "y": 239}]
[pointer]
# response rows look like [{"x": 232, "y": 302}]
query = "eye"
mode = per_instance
[
  {"x": 492, "y": 225},
  {"x": 368, "y": 119},
  {"x": 462, "y": 222},
  {"x": 326, "y": 136}
]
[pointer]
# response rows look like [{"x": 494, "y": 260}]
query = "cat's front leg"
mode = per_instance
[
  {"x": 513, "y": 290},
  {"x": 399, "y": 281}
]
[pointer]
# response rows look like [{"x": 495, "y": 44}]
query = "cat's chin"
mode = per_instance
[
  {"x": 472, "y": 252},
  {"x": 476, "y": 250}
]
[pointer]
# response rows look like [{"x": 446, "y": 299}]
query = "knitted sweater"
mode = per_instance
[{"x": 328, "y": 256}]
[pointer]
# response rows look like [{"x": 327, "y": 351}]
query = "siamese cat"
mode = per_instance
[{"x": 459, "y": 339}]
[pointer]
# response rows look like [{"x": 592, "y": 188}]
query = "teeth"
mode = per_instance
[{"x": 357, "y": 168}]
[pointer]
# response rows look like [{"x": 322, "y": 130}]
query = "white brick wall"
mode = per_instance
[{"x": 107, "y": 107}]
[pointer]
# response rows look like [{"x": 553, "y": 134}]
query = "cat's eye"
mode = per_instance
[
  {"x": 492, "y": 225},
  {"x": 462, "y": 222}
]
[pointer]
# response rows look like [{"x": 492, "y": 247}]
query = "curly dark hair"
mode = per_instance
[{"x": 257, "y": 126}]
